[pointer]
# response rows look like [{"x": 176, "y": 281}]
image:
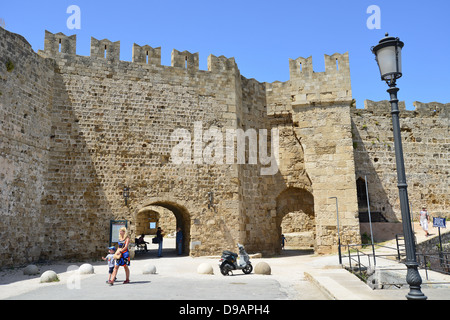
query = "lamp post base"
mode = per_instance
[{"x": 414, "y": 280}]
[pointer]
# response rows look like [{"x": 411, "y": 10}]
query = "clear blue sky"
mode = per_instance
[{"x": 262, "y": 35}]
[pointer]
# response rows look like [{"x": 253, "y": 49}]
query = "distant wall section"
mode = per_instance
[{"x": 426, "y": 149}]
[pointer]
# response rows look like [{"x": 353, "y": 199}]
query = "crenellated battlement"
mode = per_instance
[
  {"x": 307, "y": 87},
  {"x": 59, "y": 43},
  {"x": 105, "y": 49},
  {"x": 383, "y": 108},
  {"x": 146, "y": 55},
  {"x": 185, "y": 59},
  {"x": 332, "y": 85},
  {"x": 334, "y": 64}
]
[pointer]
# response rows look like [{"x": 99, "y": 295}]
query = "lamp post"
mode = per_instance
[
  {"x": 339, "y": 237},
  {"x": 388, "y": 56}
]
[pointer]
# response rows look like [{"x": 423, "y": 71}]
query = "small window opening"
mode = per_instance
[
  {"x": 185, "y": 62},
  {"x": 337, "y": 64},
  {"x": 105, "y": 52},
  {"x": 301, "y": 67},
  {"x": 146, "y": 58},
  {"x": 59, "y": 46}
]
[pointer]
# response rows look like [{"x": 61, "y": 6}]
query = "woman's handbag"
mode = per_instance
[
  {"x": 155, "y": 240},
  {"x": 117, "y": 255}
]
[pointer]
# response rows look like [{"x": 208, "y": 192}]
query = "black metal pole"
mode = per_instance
[{"x": 412, "y": 277}]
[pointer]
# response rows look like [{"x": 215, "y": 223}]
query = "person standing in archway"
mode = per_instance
[
  {"x": 122, "y": 256},
  {"x": 179, "y": 240},
  {"x": 159, "y": 236},
  {"x": 283, "y": 240}
]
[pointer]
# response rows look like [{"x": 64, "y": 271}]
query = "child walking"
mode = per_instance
[{"x": 110, "y": 258}]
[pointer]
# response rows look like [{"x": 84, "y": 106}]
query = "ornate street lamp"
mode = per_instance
[{"x": 388, "y": 54}]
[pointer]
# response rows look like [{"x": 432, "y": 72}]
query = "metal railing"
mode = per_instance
[
  {"x": 360, "y": 266},
  {"x": 439, "y": 262},
  {"x": 371, "y": 257},
  {"x": 401, "y": 248}
]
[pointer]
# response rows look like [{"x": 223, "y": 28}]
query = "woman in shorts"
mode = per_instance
[{"x": 124, "y": 259}]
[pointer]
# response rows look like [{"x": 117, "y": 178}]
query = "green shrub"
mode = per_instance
[{"x": 9, "y": 65}]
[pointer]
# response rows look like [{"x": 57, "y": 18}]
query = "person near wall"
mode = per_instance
[
  {"x": 159, "y": 236},
  {"x": 283, "y": 241},
  {"x": 424, "y": 219},
  {"x": 179, "y": 239},
  {"x": 122, "y": 256},
  {"x": 141, "y": 240}
]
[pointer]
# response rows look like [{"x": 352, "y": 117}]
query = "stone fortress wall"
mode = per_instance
[
  {"x": 76, "y": 130},
  {"x": 426, "y": 149}
]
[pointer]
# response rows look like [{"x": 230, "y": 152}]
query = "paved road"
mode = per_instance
[
  {"x": 176, "y": 278},
  {"x": 153, "y": 287}
]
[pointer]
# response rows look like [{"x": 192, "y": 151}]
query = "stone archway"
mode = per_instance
[
  {"x": 295, "y": 218},
  {"x": 182, "y": 217}
]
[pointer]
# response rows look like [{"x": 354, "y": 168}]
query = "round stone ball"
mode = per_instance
[
  {"x": 262, "y": 268},
  {"x": 205, "y": 268},
  {"x": 49, "y": 276},
  {"x": 149, "y": 269},
  {"x": 31, "y": 270},
  {"x": 86, "y": 269}
]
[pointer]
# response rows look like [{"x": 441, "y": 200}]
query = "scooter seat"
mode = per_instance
[{"x": 226, "y": 252}]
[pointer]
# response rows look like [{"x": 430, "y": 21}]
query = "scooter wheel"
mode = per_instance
[
  {"x": 226, "y": 271},
  {"x": 248, "y": 269}
]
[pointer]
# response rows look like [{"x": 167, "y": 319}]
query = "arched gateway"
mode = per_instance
[
  {"x": 295, "y": 217},
  {"x": 180, "y": 212}
]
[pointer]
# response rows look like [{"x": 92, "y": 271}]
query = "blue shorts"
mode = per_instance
[{"x": 124, "y": 260}]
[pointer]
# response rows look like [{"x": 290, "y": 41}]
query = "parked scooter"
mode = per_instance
[{"x": 229, "y": 261}]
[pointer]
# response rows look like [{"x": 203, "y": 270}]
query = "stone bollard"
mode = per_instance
[
  {"x": 149, "y": 269},
  {"x": 262, "y": 268},
  {"x": 86, "y": 269},
  {"x": 31, "y": 270},
  {"x": 49, "y": 276},
  {"x": 132, "y": 253},
  {"x": 205, "y": 268}
]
